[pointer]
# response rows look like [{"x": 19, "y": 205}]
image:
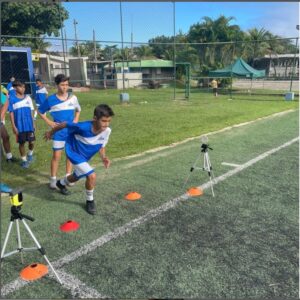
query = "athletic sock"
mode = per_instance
[
  {"x": 89, "y": 195},
  {"x": 8, "y": 155},
  {"x": 30, "y": 152},
  {"x": 24, "y": 158},
  {"x": 53, "y": 180}
]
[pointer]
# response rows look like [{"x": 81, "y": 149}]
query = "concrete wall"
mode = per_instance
[{"x": 130, "y": 80}]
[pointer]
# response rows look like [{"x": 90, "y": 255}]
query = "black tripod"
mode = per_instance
[{"x": 16, "y": 215}]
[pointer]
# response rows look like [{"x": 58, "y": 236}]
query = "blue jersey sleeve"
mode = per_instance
[
  {"x": 73, "y": 127},
  {"x": 44, "y": 107}
]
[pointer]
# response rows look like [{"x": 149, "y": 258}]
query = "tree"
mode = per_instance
[
  {"x": 87, "y": 49},
  {"x": 213, "y": 31},
  {"x": 31, "y": 19}
]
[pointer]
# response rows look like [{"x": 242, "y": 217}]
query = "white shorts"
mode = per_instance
[
  {"x": 58, "y": 145},
  {"x": 82, "y": 170}
]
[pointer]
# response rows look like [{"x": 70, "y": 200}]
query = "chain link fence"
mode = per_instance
[{"x": 169, "y": 60}]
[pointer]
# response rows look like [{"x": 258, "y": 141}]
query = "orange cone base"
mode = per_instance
[
  {"x": 133, "y": 196},
  {"x": 194, "y": 192},
  {"x": 69, "y": 226},
  {"x": 34, "y": 272}
]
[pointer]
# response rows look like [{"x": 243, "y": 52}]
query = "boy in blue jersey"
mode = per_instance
[
  {"x": 9, "y": 87},
  {"x": 85, "y": 139},
  {"x": 20, "y": 108},
  {"x": 62, "y": 108},
  {"x": 40, "y": 96}
]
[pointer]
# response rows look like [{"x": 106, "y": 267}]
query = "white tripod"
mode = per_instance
[{"x": 16, "y": 215}]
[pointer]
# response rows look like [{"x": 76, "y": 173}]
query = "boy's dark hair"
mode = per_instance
[
  {"x": 38, "y": 80},
  {"x": 18, "y": 83},
  {"x": 61, "y": 78},
  {"x": 103, "y": 110}
]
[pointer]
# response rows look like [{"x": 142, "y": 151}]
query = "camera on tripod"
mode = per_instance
[
  {"x": 16, "y": 198},
  {"x": 204, "y": 145}
]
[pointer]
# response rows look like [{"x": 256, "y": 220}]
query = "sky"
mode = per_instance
[{"x": 146, "y": 20}]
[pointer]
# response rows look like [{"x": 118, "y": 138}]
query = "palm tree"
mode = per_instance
[{"x": 256, "y": 43}]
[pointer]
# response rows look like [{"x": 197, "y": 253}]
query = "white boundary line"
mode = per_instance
[
  {"x": 229, "y": 164},
  {"x": 122, "y": 230}
]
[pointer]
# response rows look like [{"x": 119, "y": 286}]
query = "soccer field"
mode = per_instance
[{"x": 242, "y": 243}]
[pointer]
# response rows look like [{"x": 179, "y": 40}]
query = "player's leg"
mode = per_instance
[
  {"x": 58, "y": 146},
  {"x": 69, "y": 170},
  {"x": 21, "y": 141},
  {"x": 6, "y": 143},
  {"x": 89, "y": 192},
  {"x": 31, "y": 139}
]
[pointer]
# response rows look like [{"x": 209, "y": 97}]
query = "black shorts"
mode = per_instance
[
  {"x": 215, "y": 90},
  {"x": 27, "y": 136}
]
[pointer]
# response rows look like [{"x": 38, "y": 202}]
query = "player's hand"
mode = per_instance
[
  {"x": 47, "y": 135},
  {"x": 15, "y": 130},
  {"x": 52, "y": 124},
  {"x": 106, "y": 162}
]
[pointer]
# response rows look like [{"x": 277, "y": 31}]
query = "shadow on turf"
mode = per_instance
[{"x": 52, "y": 195}]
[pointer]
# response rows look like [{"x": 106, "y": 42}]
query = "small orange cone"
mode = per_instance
[
  {"x": 133, "y": 196},
  {"x": 34, "y": 272},
  {"x": 194, "y": 191},
  {"x": 69, "y": 226}
]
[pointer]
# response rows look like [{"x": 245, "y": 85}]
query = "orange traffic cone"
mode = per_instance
[{"x": 34, "y": 272}]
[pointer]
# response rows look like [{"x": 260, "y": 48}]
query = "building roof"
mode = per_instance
[
  {"x": 282, "y": 55},
  {"x": 148, "y": 63}
]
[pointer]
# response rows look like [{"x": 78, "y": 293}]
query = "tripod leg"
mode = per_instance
[
  {"x": 41, "y": 249},
  {"x": 6, "y": 238},
  {"x": 209, "y": 170},
  {"x": 19, "y": 240},
  {"x": 191, "y": 170}
]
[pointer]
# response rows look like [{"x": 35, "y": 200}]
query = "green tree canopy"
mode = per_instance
[{"x": 32, "y": 19}]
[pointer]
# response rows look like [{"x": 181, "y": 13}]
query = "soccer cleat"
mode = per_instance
[
  {"x": 91, "y": 207},
  {"x": 25, "y": 164},
  {"x": 11, "y": 160},
  {"x": 30, "y": 158},
  {"x": 62, "y": 188}
]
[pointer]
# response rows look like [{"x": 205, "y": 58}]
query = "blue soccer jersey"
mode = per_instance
[
  {"x": 21, "y": 108},
  {"x": 82, "y": 144},
  {"x": 60, "y": 111},
  {"x": 10, "y": 88},
  {"x": 41, "y": 95}
]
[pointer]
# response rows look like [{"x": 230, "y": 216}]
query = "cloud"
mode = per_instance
[{"x": 281, "y": 20}]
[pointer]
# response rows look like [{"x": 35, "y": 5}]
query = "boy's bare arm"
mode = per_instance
[
  {"x": 105, "y": 160},
  {"x": 49, "y": 134},
  {"x": 76, "y": 118},
  {"x": 4, "y": 110},
  {"x": 49, "y": 122},
  {"x": 12, "y": 120}
]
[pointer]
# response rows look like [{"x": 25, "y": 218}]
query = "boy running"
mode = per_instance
[
  {"x": 41, "y": 95},
  {"x": 62, "y": 108},
  {"x": 20, "y": 108},
  {"x": 84, "y": 140}
]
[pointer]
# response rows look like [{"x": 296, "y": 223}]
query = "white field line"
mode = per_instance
[
  {"x": 78, "y": 289},
  {"x": 122, "y": 230},
  {"x": 229, "y": 164}
]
